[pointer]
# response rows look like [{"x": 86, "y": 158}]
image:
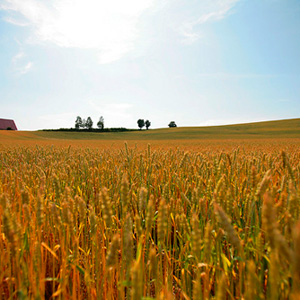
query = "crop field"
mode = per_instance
[{"x": 192, "y": 218}]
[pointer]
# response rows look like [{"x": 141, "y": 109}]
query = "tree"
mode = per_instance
[
  {"x": 83, "y": 125},
  {"x": 147, "y": 124},
  {"x": 78, "y": 122},
  {"x": 172, "y": 124},
  {"x": 89, "y": 123},
  {"x": 141, "y": 123},
  {"x": 100, "y": 123}
]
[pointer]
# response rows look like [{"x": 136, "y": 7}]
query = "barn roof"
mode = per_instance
[{"x": 6, "y": 123}]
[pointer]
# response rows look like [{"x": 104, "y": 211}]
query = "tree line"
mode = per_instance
[{"x": 88, "y": 123}]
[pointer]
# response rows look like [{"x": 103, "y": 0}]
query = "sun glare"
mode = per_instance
[
  {"x": 103, "y": 25},
  {"x": 109, "y": 26}
]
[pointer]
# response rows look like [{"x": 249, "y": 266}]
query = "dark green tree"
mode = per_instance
[
  {"x": 172, "y": 124},
  {"x": 141, "y": 123},
  {"x": 83, "y": 125},
  {"x": 78, "y": 122},
  {"x": 89, "y": 123},
  {"x": 100, "y": 123},
  {"x": 147, "y": 124}
]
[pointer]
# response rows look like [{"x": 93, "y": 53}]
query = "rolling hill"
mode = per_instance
[{"x": 270, "y": 129}]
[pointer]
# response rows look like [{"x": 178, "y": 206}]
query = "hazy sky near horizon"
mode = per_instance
[{"x": 197, "y": 62}]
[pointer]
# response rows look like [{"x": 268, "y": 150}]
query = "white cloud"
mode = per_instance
[
  {"x": 14, "y": 21},
  {"x": 186, "y": 30},
  {"x": 209, "y": 11},
  {"x": 17, "y": 57},
  {"x": 26, "y": 68},
  {"x": 20, "y": 66},
  {"x": 109, "y": 26}
]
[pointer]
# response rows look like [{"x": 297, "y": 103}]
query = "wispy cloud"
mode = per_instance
[
  {"x": 17, "y": 57},
  {"x": 14, "y": 21},
  {"x": 25, "y": 69},
  {"x": 186, "y": 31},
  {"x": 111, "y": 27},
  {"x": 20, "y": 65},
  {"x": 209, "y": 11}
]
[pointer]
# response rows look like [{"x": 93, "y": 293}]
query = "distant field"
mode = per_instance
[
  {"x": 277, "y": 134},
  {"x": 271, "y": 129}
]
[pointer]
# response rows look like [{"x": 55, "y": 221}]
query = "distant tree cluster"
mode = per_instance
[
  {"x": 142, "y": 123},
  {"x": 172, "y": 124},
  {"x": 88, "y": 123}
]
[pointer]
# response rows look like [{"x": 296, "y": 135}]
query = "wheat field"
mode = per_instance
[{"x": 150, "y": 220}]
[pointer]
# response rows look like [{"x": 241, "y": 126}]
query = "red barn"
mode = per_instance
[{"x": 6, "y": 124}]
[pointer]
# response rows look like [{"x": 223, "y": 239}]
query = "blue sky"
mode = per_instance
[{"x": 197, "y": 62}]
